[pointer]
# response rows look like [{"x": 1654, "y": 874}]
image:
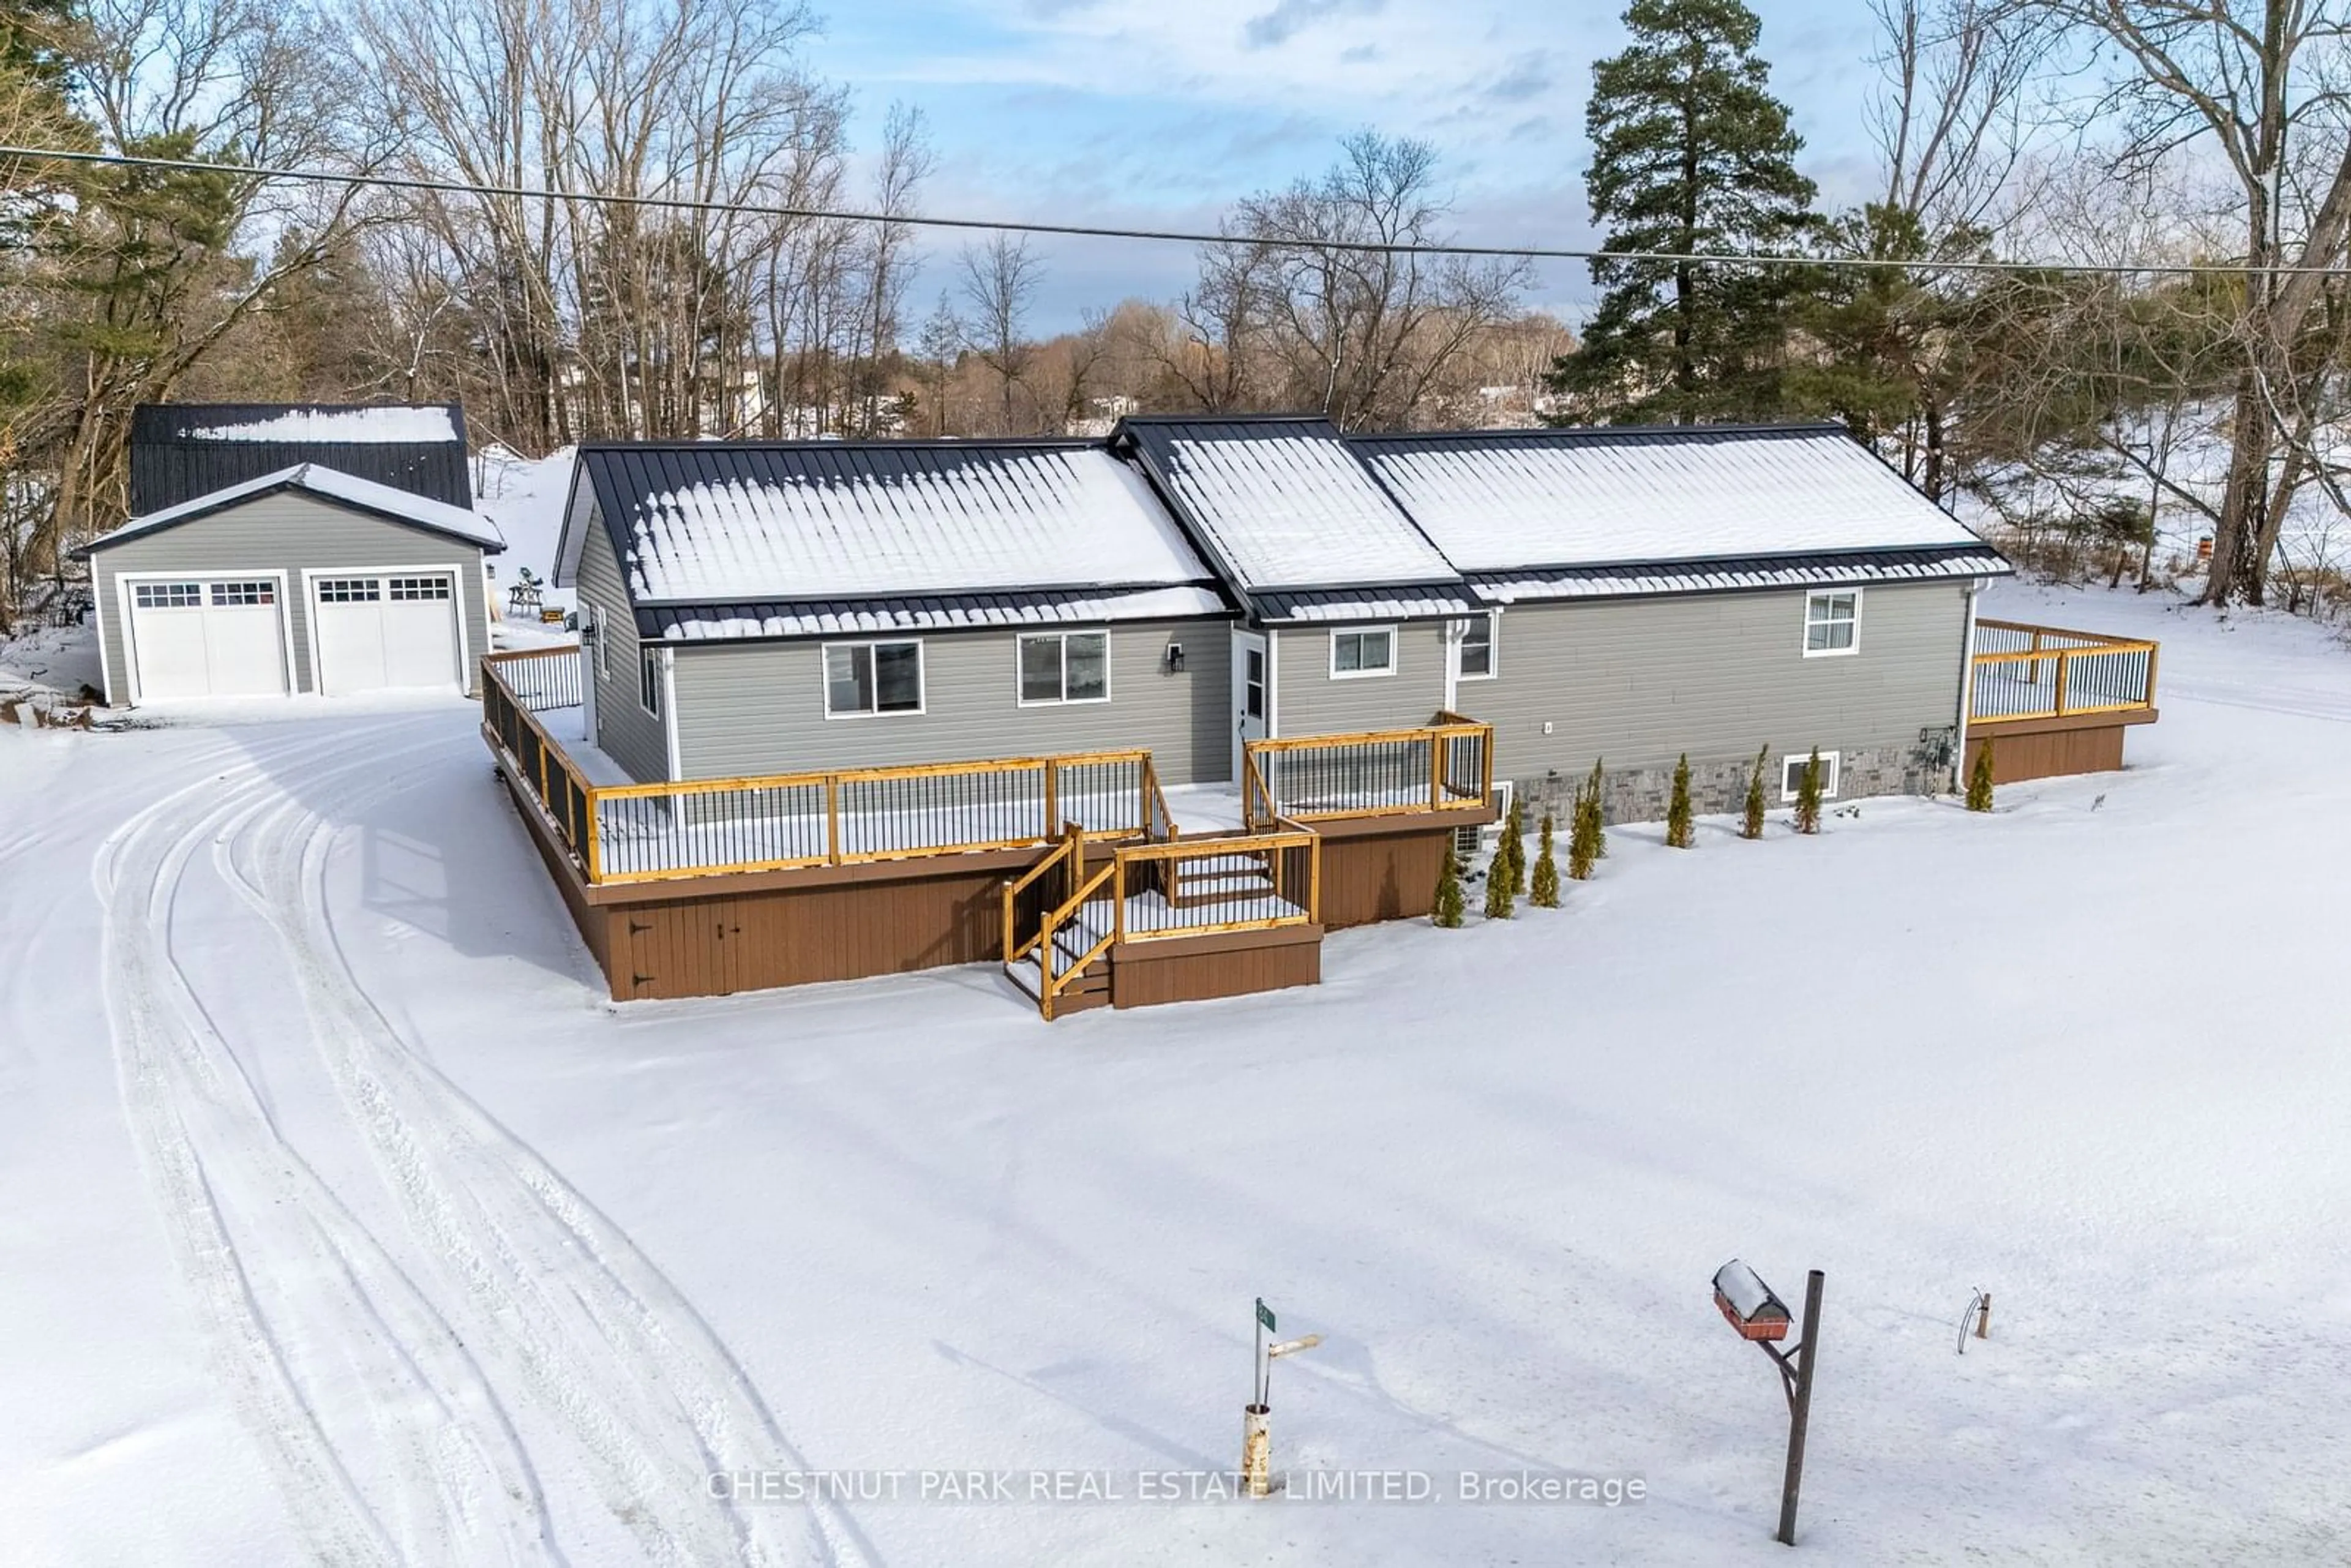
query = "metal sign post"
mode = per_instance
[{"x": 1256, "y": 1416}]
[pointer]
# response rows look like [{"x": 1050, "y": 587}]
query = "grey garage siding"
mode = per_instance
[
  {"x": 758, "y": 708},
  {"x": 289, "y": 531},
  {"x": 628, "y": 734},
  {"x": 1307, "y": 701},
  {"x": 1638, "y": 682}
]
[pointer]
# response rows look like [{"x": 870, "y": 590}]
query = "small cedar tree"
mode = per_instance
[
  {"x": 1447, "y": 912},
  {"x": 1580, "y": 855},
  {"x": 1514, "y": 840},
  {"x": 1545, "y": 894},
  {"x": 1596, "y": 789},
  {"x": 1500, "y": 897},
  {"x": 1808, "y": 795},
  {"x": 1751, "y": 823},
  {"x": 1681, "y": 833},
  {"x": 1979, "y": 779}
]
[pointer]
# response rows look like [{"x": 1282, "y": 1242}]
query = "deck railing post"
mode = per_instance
[
  {"x": 1045, "y": 828},
  {"x": 2064, "y": 657},
  {"x": 1436, "y": 772},
  {"x": 832, "y": 818}
]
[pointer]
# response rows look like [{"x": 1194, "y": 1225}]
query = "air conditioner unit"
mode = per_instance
[{"x": 1468, "y": 841}]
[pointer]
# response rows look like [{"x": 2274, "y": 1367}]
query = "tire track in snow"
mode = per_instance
[
  {"x": 561, "y": 1297},
  {"x": 305, "y": 1307}
]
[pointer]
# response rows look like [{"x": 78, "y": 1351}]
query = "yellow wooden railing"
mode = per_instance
[
  {"x": 1247, "y": 882},
  {"x": 1444, "y": 766},
  {"x": 645, "y": 833},
  {"x": 2018, "y": 672}
]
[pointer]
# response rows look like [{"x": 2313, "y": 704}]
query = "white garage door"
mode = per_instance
[
  {"x": 381, "y": 631},
  {"x": 207, "y": 637}
]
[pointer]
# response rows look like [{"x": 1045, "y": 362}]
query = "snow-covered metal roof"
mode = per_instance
[
  {"x": 1499, "y": 501},
  {"x": 384, "y": 500},
  {"x": 1335, "y": 606},
  {"x": 733, "y": 523},
  {"x": 180, "y": 451},
  {"x": 1858, "y": 569},
  {"x": 1284, "y": 503},
  {"x": 946, "y": 612}
]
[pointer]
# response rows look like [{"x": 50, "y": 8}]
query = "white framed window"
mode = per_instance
[
  {"x": 226, "y": 594},
  {"x": 350, "y": 590},
  {"x": 1832, "y": 623},
  {"x": 1360, "y": 653},
  {"x": 649, "y": 680},
  {"x": 1792, "y": 774},
  {"x": 865, "y": 680},
  {"x": 168, "y": 595},
  {"x": 1064, "y": 667},
  {"x": 420, "y": 588},
  {"x": 600, "y": 634},
  {"x": 1478, "y": 648}
]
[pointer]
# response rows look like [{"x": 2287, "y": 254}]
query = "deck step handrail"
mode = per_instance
[
  {"x": 707, "y": 827},
  {"x": 1288, "y": 891},
  {"x": 2057, "y": 673},
  {"x": 1437, "y": 766}
]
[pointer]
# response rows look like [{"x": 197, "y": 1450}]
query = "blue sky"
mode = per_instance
[{"x": 1161, "y": 113}]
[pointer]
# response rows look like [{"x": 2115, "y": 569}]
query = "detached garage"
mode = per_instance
[{"x": 306, "y": 580}]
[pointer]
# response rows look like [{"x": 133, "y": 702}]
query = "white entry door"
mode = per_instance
[
  {"x": 383, "y": 632},
  {"x": 1252, "y": 693},
  {"x": 210, "y": 637}
]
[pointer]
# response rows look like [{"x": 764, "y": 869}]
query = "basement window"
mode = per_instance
[
  {"x": 1064, "y": 667},
  {"x": 1355, "y": 655},
  {"x": 864, "y": 680},
  {"x": 1792, "y": 774},
  {"x": 1832, "y": 623}
]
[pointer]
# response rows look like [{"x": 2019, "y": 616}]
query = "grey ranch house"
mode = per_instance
[
  {"x": 1143, "y": 717},
  {"x": 1189, "y": 585},
  {"x": 275, "y": 549}
]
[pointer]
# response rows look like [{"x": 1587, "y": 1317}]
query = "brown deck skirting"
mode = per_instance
[
  {"x": 2053, "y": 748},
  {"x": 1227, "y": 964}
]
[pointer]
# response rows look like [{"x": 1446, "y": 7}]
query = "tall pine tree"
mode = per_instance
[{"x": 1690, "y": 153}]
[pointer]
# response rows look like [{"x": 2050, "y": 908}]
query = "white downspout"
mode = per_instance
[{"x": 1967, "y": 690}]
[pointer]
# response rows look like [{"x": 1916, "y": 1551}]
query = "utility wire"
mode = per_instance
[{"x": 1170, "y": 236}]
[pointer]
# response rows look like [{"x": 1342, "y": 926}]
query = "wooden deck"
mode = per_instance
[
  {"x": 1069, "y": 871},
  {"x": 2053, "y": 701}
]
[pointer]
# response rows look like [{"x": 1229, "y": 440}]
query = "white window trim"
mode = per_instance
[
  {"x": 1793, "y": 762},
  {"x": 649, "y": 663},
  {"x": 1804, "y": 635},
  {"x": 1063, "y": 636},
  {"x": 123, "y": 606},
  {"x": 1396, "y": 653},
  {"x": 455, "y": 601},
  {"x": 921, "y": 679},
  {"x": 1493, "y": 619}
]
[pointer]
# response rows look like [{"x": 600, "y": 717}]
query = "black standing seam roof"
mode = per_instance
[
  {"x": 993, "y": 608},
  {"x": 170, "y": 464}
]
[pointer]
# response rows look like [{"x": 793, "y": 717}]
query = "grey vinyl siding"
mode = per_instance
[
  {"x": 292, "y": 532},
  {"x": 758, "y": 708},
  {"x": 1307, "y": 701},
  {"x": 1638, "y": 682},
  {"x": 630, "y": 735}
]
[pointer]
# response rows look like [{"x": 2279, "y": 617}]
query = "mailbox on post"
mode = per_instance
[{"x": 1748, "y": 1303}]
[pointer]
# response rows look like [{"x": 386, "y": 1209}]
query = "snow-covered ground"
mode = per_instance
[{"x": 344, "y": 1221}]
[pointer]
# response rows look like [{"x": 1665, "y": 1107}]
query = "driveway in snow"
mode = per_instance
[{"x": 346, "y": 1222}]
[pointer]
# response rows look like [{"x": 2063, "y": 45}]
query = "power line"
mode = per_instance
[{"x": 1168, "y": 237}]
